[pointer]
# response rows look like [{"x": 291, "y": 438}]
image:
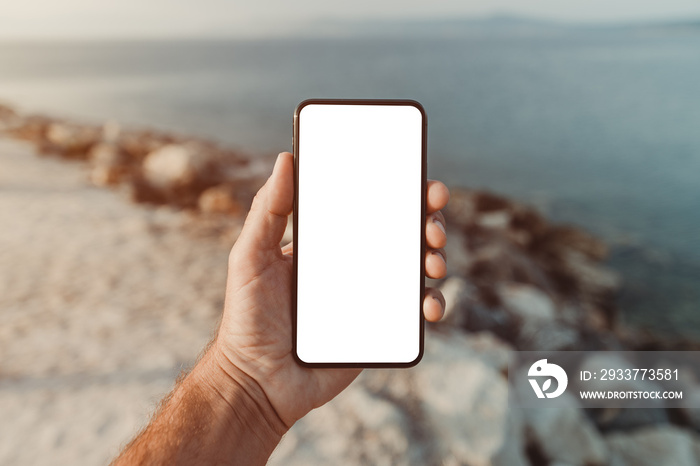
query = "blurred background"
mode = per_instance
[{"x": 567, "y": 130}]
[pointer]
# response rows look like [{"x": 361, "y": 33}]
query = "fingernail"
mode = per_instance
[
  {"x": 441, "y": 255},
  {"x": 442, "y": 308},
  {"x": 277, "y": 163},
  {"x": 439, "y": 225}
]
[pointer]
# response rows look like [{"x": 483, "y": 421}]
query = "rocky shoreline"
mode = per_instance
[
  {"x": 516, "y": 282},
  {"x": 150, "y": 166}
]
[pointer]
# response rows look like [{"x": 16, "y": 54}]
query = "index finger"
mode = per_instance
[{"x": 438, "y": 196}]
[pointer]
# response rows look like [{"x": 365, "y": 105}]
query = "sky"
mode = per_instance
[{"x": 46, "y": 19}]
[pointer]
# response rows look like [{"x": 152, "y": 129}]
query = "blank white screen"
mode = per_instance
[{"x": 359, "y": 230}]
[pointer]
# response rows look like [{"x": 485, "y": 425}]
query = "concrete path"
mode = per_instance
[{"x": 102, "y": 303}]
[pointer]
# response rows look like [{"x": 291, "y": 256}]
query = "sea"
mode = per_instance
[{"x": 595, "y": 126}]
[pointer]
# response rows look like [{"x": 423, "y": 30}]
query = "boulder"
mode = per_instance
[
  {"x": 355, "y": 427},
  {"x": 626, "y": 419},
  {"x": 663, "y": 445},
  {"x": 31, "y": 128},
  {"x": 220, "y": 199},
  {"x": 138, "y": 144},
  {"x": 180, "y": 172},
  {"x": 464, "y": 309},
  {"x": 485, "y": 201},
  {"x": 553, "y": 335},
  {"x": 459, "y": 256},
  {"x": 540, "y": 327},
  {"x": 497, "y": 220},
  {"x": 450, "y": 409},
  {"x": 527, "y": 302},
  {"x": 71, "y": 140},
  {"x": 507, "y": 245},
  {"x": 175, "y": 165},
  {"x": 593, "y": 280},
  {"x": 570, "y": 238},
  {"x": 562, "y": 432},
  {"x": 238, "y": 168},
  {"x": 465, "y": 400},
  {"x": 108, "y": 164},
  {"x": 490, "y": 349}
]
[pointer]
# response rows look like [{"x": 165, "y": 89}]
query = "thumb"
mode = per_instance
[{"x": 267, "y": 219}]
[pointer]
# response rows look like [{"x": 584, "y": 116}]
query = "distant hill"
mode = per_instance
[
  {"x": 430, "y": 26},
  {"x": 476, "y": 25}
]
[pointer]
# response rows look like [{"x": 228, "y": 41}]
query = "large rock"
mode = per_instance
[
  {"x": 176, "y": 165},
  {"x": 664, "y": 445},
  {"x": 356, "y": 427},
  {"x": 221, "y": 199},
  {"x": 71, "y": 140},
  {"x": 527, "y": 302},
  {"x": 460, "y": 258},
  {"x": 31, "y": 128},
  {"x": 464, "y": 309},
  {"x": 541, "y": 327},
  {"x": 519, "y": 263},
  {"x": 108, "y": 164},
  {"x": 138, "y": 144},
  {"x": 465, "y": 399},
  {"x": 178, "y": 173},
  {"x": 450, "y": 409},
  {"x": 554, "y": 335},
  {"x": 561, "y": 431},
  {"x": 497, "y": 220},
  {"x": 593, "y": 281},
  {"x": 490, "y": 349},
  {"x": 565, "y": 434}
]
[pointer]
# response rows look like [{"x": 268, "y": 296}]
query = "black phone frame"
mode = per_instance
[{"x": 424, "y": 184}]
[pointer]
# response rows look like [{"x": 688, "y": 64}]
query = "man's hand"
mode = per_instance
[
  {"x": 248, "y": 390},
  {"x": 255, "y": 337}
]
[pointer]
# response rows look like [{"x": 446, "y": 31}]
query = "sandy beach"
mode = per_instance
[{"x": 91, "y": 332}]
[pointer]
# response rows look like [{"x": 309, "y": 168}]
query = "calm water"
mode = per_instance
[{"x": 597, "y": 127}]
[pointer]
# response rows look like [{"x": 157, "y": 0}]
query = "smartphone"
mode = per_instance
[{"x": 359, "y": 233}]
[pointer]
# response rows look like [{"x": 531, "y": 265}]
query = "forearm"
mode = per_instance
[{"x": 212, "y": 417}]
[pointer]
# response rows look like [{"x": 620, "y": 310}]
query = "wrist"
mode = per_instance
[{"x": 237, "y": 401}]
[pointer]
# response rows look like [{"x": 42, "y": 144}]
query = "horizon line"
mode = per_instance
[{"x": 298, "y": 32}]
